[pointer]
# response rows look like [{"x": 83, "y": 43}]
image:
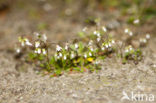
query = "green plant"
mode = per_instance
[{"x": 79, "y": 56}]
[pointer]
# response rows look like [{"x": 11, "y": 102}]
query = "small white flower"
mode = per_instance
[
  {"x": 72, "y": 55},
  {"x": 113, "y": 42},
  {"x": 35, "y": 51},
  {"x": 130, "y": 33},
  {"x": 22, "y": 43},
  {"x": 97, "y": 62},
  {"x": 58, "y": 48},
  {"x": 44, "y": 37},
  {"x": 66, "y": 47},
  {"x": 39, "y": 51},
  {"x": 106, "y": 45},
  {"x": 76, "y": 46},
  {"x": 44, "y": 51},
  {"x": 126, "y": 30},
  {"x": 126, "y": 51},
  {"x": 26, "y": 40},
  {"x": 144, "y": 40},
  {"x": 103, "y": 48},
  {"x": 60, "y": 54},
  {"x": 104, "y": 29},
  {"x": 90, "y": 54},
  {"x": 37, "y": 44},
  {"x": 91, "y": 49},
  {"x": 98, "y": 39},
  {"x": 147, "y": 36},
  {"x": 130, "y": 49},
  {"x": 65, "y": 57},
  {"x": 95, "y": 32},
  {"x": 90, "y": 42},
  {"x": 84, "y": 29},
  {"x": 98, "y": 34},
  {"x": 136, "y": 21},
  {"x": 18, "y": 50},
  {"x": 58, "y": 57},
  {"x": 85, "y": 55},
  {"x": 109, "y": 44},
  {"x": 28, "y": 43},
  {"x": 37, "y": 34}
]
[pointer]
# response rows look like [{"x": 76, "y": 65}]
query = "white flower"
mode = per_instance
[
  {"x": 58, "y": 48},
  {"x": 66, "y": 47},
  {"x": 85, "y": 55},
  {"x": 109, "y": 44},
  {"x": 44, "y": 37},
  {"x": 103, "y": 48},
  {"x": 76, "y": 46},
  {"x": 39, "y": 51},
  {"x": 90, "y": 42},
  {"x": 35, "y": 51},
  {"x": 98, "y": 34},
  {"x": 37, "y": 34},
  {"x": 65, "y": 57},
  {"x": 60, "y": 54},
  {"x": 130, "y": 48},
  {"x": 126, "y": 30},
  {"x": 37, "y": 44},
  {"x": 143, "y": 40},
  {"x": 106, "y": 45},
  {"x": 72, "y": 55},
  {"x": 104, "y": 29},
  {"x": 126, "y": 51},
  {"x": 84, "y": 29},
  {"x": 91, "y": 49},
  {"x": 22, "y": 43},
  {"x": 97, "y": 62},
  {"x": 58, "y": 57},
  {"x": 95, "y": 32},
  {"x": 18, "y": 50},
  {"x": 147, "y": 36},
  {"x": 98, "y": 39},
  {"x": 113, "y": 41},
  {"x": 136, "y": 21},
  {"x": 28, "y": 43},
  {"x": 130, "y": 33},
  {"x": 44, "y": 51},
  {"x": 90, "y": 54}
]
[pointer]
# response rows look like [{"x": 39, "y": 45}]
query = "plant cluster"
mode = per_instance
[{"x": 80, "y": 55}]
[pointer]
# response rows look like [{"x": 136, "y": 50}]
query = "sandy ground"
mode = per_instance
[{"x": 23, "y": 85}]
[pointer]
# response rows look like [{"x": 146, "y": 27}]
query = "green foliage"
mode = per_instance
[
  {"x": 78, "y": 56},
  {"x": 132, "y": 54}
]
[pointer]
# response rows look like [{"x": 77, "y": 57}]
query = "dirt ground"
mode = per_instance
[{"x": 24, "y": 85}]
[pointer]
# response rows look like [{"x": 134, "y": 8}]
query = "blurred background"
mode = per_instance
[{"x": 62, "y": 19}]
